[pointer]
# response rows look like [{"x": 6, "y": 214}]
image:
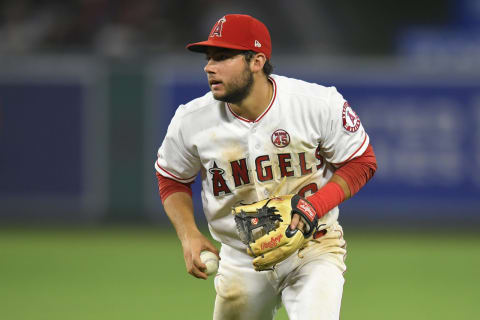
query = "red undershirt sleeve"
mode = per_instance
[
  {"x": 167, "y": 186},
  {"x": 355, "y": 172},
  {"x": 358, "y": 171}
]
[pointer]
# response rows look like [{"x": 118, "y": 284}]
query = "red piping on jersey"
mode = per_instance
[
  {"x": 364, "y": 140},
  {"x": 264, "y": 112},
  {"x": 167, "y": 186},
  {"x": 172, "y": 175}
]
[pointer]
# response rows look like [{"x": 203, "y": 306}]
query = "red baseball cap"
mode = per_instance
[{"x": 237, "y": 31}]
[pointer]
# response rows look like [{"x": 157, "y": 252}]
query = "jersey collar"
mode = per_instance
[{"x": 264, "y": 112}]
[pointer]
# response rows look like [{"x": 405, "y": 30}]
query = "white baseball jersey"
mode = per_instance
[{"x": 305, "y": 132}]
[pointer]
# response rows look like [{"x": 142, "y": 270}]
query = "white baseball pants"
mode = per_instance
[{"x": 308, "y": 283}]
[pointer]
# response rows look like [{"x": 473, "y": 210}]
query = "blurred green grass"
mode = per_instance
[{"x": 139, "y": 273}]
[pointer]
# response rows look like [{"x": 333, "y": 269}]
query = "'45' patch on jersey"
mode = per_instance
[
  {"x": 351, "y": 122},
  {"x": 280, "y": 138}
]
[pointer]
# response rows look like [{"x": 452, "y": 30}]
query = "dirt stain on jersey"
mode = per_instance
[
  {"x": 231, "y": 298},
  {"x": 233, "y": 152},
  {"x": 246, "y": 194}
]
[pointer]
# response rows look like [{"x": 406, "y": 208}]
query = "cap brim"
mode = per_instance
[{"x": 204, "y": 45}]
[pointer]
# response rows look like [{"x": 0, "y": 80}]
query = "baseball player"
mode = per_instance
[{"x": 272, "y": 142}]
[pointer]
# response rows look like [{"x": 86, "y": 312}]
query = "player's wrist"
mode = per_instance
[
  {"x": 327, "y": 198},
  {"x": 307, "y": 213}
]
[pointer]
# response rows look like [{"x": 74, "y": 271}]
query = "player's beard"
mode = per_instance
[{"x": 237, "y": 90}]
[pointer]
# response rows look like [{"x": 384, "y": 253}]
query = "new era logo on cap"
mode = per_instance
[{"x": 237, "y": 31}]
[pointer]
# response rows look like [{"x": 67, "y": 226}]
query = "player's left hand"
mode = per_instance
[{"x": 297, "y": 223}]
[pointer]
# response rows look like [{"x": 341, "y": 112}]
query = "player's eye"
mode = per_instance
[{"x": 220, "y": 57}]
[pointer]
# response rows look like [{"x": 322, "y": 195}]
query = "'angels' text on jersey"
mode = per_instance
[{"x": 263, "y": 171}]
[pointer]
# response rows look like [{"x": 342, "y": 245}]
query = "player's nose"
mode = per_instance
[{"x": 210, "y": 66}]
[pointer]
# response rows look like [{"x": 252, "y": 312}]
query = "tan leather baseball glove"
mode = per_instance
[{"x": 264, "y": 227}]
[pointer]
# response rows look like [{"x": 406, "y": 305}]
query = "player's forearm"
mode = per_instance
[
  {"x": 342, "y": 184},
  {"x": 357, "y": 172},
  {"x": 345, "y": 182},
  {"x": 179, "y": 209},
  {"x": 330, "y": 195}
]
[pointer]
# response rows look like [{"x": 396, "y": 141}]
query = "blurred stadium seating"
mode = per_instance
[{"x": 87, "y": 89}]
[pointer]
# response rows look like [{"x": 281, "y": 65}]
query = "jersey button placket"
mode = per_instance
[
  {"x": 252, "y": 143},
  {"x": 253, "y": 131},
  {"x": 254, "y": 151}
]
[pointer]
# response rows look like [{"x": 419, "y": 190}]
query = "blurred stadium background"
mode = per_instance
[{"x": 88, "y": 87}]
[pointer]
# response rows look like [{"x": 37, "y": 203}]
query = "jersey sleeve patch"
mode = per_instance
[{"x": 351, "y": 121}]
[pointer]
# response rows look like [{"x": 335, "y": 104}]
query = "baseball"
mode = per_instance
[{"x": 210, "y": 260}]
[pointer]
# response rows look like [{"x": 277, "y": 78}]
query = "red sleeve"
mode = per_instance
[
  {"x": 168, "y": 186},
  {"x": 355, "y": 172},
  {"x": 358, "y": 171}
]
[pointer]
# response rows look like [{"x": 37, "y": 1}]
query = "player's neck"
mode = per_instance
[{"x": 257, "y": 101}]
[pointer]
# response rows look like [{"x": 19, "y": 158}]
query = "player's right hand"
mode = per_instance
[{"x": 192, "y": 245}]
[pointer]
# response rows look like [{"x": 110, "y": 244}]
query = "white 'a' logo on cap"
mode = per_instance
[
  {"x": 217, "y": 29},
  {"x": 257, "y": 44}
]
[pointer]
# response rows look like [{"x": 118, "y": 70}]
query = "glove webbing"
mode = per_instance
[{"x": 247, "y": 221}]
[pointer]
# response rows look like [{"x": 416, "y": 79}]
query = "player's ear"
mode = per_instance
[{"x": 258, "y": 61}]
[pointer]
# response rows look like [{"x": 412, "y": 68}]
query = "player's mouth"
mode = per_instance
[{"x": 215, "y": 84}]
